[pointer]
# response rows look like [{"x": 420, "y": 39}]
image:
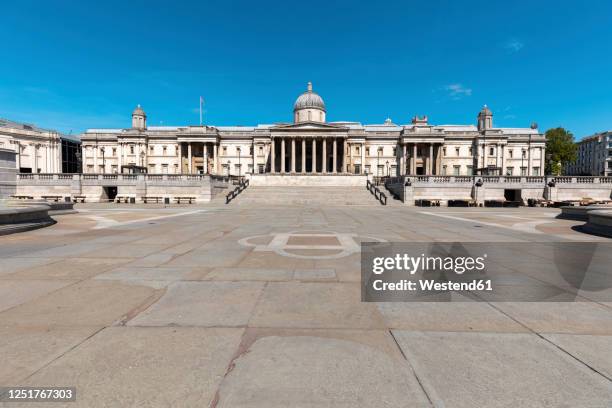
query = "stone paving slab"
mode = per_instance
[
  {"x": 132, "y": 273},
  {"x": 458, "y": 315},
  {"x": 16, "y": 292},
  {"x": 249, "y": 274},
  {"x": 595, "y": 351},
  {"x": 560, "y": 317},
  {"x": 88, "y": 303},
  {"x": 26, "y": 350},
  {"x": 318, "y": 372},
  {"x": 315, "y": 305},
  {"x": 71, "y": 268},
  {"x": 131, "y": 366},
  {"x": 500, "y": 370},
  {"x": 226, "y": 304}
]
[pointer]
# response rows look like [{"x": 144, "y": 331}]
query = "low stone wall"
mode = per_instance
[
  {"x": 600, "y": 222},
  {"x": 493, "y": 188},
  {"x": 8, "y": 173},
  {"x": 25, "y": 218},
  {"x": 95, "y": 187},
  {"x": 580, "y": 213},
  {"x": 330, "y": 180}
]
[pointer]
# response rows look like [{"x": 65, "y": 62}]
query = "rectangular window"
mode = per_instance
[
  {"x": 164, "y": 168},
  {"x": 444, "y": 170},
  {"x": 457, "y": 151},
  {"x": 536, "y": 171},
  {"x": 510, "y": 153},
  {"x": 367, "y": 169},
  {"x": 114, "y": 151},
  {"x": 260, "y": 167},
  {"x": 131, "y": 149},
  {"x": 444, "y": 151},
  {"x": 523, "y": 171},
  {"x": 470, "y": 171},
  {"x": 367, "y": 151},
  {"x": 456, "y": 170},
  {"x": 491, "y": 151},
  {"x": 509, "y": 171}
]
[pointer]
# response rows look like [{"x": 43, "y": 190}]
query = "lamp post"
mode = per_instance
[
  {"x": 378, "y": 160},
  {"x": 239, "y": 164},
  {"x": 142, "y": 155},
  {"x": 523, "y": 161},
  {"x": 78, "y": 163},
  {"x": 229, "y": 167},
  {"x": 388, "y": 168}
]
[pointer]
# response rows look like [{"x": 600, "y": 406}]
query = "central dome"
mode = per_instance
[{"x": 309, "y": 100}]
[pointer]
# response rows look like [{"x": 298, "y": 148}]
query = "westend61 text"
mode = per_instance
[{"x": 432, "y": 285}]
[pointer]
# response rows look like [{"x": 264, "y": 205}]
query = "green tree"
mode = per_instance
[{"x": 560, "y": 149}]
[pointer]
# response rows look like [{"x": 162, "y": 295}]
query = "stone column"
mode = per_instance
[
  {"x": 205, "y": 158},
  {"x": 215, "y": 159},
  {"x": 430, "y": 160},
  {"x": 314, "y": 156},
  {"x": 272, "y": 158},
  {"x": 303, "y": 169},
  {"x": 414, "y": 157},
  {"x": 529, "y": 160},
  {"x": 189, "y": 158},
  {"x": 345, "y": 156},
  {"x": 403, "y": 172},
  {"x": 95, "y": 159},
  {"x": 542, "y": 163},
  {"x": 324, "y": 156},
  {"x": 363, "y": 163},
  {"x": 283, "y": 156},
  {"x": 293, "y": 155},
  {"x": 119, "y": 157},
  {"x": 334, "y": 156}
]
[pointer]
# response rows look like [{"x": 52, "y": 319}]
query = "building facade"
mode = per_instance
[
  {"x": 39, "y": 150},
  {"x": 311, "y": 145},
  {"x": 594, "y": 156}
]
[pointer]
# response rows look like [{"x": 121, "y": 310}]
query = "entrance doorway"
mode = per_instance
[
  {"x": 513, "y": 195},
  {"x": 109, "y": 192}
]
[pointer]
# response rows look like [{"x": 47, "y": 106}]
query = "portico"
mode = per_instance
[{"x": 307, "y": 155}]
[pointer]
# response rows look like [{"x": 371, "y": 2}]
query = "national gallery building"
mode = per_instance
[{"x": 311, "y": 145}]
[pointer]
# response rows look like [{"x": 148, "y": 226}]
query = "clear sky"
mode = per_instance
[{"x": 84, "y": 64}]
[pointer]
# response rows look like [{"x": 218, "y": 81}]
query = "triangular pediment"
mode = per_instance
[{"x": 307, "y": 126}]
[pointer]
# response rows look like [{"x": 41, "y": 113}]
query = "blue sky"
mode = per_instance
[{"x": 76, "y": 65}]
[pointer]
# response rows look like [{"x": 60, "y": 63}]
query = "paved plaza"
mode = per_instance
[{"x": 260, "y": 306}]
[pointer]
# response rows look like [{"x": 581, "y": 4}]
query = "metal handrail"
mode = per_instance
[
  {"x": 242, "y": 185},
  {"x": 378, "y": 194}
]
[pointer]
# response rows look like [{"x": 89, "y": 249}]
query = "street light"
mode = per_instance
[
  {"x": 229, "y": 167},
  {"x": 239, "y": 166},
  {"x": 378, "y": 161},
  {"x": 78, "y": 158},
  {"x": 388, "y": 168}
]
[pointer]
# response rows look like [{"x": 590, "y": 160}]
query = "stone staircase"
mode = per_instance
[{"x": 305, "y": 195}]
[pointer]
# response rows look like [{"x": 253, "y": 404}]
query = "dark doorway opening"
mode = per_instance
[
  {"x": 512, "y": 195},
  {"x": 110, "y": 192}
]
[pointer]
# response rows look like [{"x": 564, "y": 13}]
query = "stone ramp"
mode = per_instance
[{"x": 305, "y": 195}]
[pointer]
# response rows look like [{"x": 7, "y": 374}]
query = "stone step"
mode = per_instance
[{"x": 301, "y": 195}]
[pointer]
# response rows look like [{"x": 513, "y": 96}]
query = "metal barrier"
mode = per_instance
[
  {"x": 379, "y": 195},
  {"x": 242, "y": 185}
]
